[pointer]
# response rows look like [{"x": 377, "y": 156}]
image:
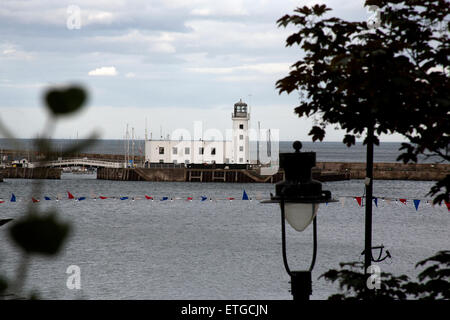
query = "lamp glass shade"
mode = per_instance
[{"x": 300, "y": 215}]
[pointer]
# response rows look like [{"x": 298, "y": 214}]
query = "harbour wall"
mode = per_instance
[
  {"x": 203, "y": 175},
  {"x": 389, "y": 171},
  {"x": 30, "y": 173},
  {"x": 324, "y": 171},
  {"x": 184, "y": 175}
]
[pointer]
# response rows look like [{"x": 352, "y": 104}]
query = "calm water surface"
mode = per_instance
[{"x": 211, "y": 250}]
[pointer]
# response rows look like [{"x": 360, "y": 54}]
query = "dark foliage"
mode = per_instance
[
  {"x": 394, "y": 77},
  {"x": 434, "y": 282}
]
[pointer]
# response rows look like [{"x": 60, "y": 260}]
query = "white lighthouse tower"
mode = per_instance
[{"x": 240, "y": 118}]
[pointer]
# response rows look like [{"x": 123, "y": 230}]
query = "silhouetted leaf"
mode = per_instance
[
  {"x": 3, "y": 285},
  {"x": 65, "y": 101},
  {"x": 317, "y": 133},
  {"x": 444, "y": 196},
  {"x": 349, "y": 140},
  {"x": 39, "y": 234}
]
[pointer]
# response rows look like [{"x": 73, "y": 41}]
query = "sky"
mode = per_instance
[{"x": 159, "y": 65}]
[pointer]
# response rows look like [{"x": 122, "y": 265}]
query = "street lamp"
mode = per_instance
[{"x": 299, "y": 197}]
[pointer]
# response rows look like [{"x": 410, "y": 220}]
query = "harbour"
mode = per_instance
[{"x": 113, "y": 167}]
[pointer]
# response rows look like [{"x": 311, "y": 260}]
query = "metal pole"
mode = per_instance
[
  {"x": 257, "y": 144},
  {"x": 369, "y": 191}
]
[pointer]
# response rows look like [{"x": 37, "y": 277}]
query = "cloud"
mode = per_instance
[
  {"x": 137, "y": 40},
  {"x": 190, "y": 54},
  {"x": 265, "y": 68},
  {"x": 11, "y": 51},
  {"x": 104, "y": 71}
]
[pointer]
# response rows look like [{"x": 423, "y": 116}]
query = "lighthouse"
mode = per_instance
[{"x": 240, "y": 117}]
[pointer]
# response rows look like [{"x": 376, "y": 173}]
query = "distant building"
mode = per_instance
[{"x": 200, "y": 151}]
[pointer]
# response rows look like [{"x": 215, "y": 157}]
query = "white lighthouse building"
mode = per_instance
[{"x": 182, "y": 151}]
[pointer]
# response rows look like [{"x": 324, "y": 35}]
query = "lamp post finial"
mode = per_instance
[{"x": 297, "y": 146}]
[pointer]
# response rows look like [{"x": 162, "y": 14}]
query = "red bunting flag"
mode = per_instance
[
  {"x": 70, "y": 196},
  {"x": 102, "y": 197},
  {"x": 230, "y": 198},
  {"x": 34, "y": 200},
  {"x": 189, "y": 198},
  {"x": 402, "y": 201},
  {"x": 1, "y": 201},
  {"x": 358, "y": 199},
  {"x": 448, "y": 205},
  {"x": 148, "y": 197}
]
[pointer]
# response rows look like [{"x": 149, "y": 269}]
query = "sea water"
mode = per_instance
[{"x": 217, "y": 249}]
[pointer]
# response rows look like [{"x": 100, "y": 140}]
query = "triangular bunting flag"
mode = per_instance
[
  {"x": 34, "y": 200},
  {"x": 81, "y": 198},
  {"x": 123, "y": 198},
  {"x": 189, "y": 198},
  {"x": 47, "y": 198},
  {"x": 148, "y": 197},
  {"x": 164, "y": 198},
  {"x": 358, "y": 199},
  {"x": 448, "y": 205},
  {"x": 70, "y": 196},
  {"x": 102, "y": 197},
  {"x": 13, "y": 198},
  {"x": 402, "y": 201},
  {"x": 204, "y": 198},
  {"x": 244, "y": 196},
  {"x": 416, "y": 203},
  {"x": 376, "y": 202}
]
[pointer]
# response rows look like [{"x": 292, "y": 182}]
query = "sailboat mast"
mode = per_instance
[{"x": 257, "y": 143}]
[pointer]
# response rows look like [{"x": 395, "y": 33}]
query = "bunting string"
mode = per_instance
[{"x": 360, "y": 200}]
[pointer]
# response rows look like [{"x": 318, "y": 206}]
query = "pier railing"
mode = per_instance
[{"x": 81, "y": 162}]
